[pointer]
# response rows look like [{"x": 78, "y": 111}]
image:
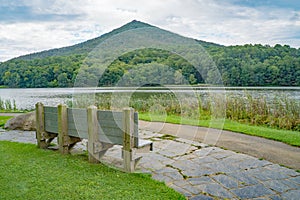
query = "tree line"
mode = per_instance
[{"x": 247, "y": 65}]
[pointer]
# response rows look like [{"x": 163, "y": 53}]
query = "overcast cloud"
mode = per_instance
[{"x": 28, "y": 26}]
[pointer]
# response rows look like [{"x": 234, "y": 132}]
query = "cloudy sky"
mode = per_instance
[{"x": 28, "y": 26}]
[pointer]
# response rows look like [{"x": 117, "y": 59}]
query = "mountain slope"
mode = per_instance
[
  {"x": 84, "y": 47},
  {"x": 247, "y": 65}
]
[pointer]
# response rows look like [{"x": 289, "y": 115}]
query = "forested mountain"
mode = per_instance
[{"x": 248, "y": 65}]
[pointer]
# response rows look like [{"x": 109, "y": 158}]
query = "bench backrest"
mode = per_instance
[{"x": 110, "y": 124}]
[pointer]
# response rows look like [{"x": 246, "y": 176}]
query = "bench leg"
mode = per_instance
[
  {"x": 97, "y": 150},
  {"x": 44, "y": 139},
  {"x": 129, "y": 162}
]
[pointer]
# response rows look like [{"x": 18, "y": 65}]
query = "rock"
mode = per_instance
[{"x": 25, "y": 122}]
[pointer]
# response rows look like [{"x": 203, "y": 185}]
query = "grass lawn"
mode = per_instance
[
  {"x": 30, "y": 173},
  {"x": 3, "y": 120},
  {"x": 288, "y": 137}
]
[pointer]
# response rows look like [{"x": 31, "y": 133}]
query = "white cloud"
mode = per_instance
[{"x": 211, "y": 20}]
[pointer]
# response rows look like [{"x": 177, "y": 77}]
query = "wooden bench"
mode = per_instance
[{"x": 102, "y": 129}]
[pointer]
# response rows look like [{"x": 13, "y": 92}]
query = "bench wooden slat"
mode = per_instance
[
  {"x": 83, "y": 134},
  {"x": 111, "y": 140},
  {"x": 81, "y": 125},
  {"x": 78, "y": 129},
  {"x": 77, "y": 113},
  {"x": 77, "y": 123},
  {"x": 51, "y": 123},
  {"x": 48, "y": 109},
  {"x": 110, "y": 123},
  {"x": 110, "y": 134},
  {"x": 109, "y": 115}
]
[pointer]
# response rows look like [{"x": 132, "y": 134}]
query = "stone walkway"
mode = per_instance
[{"x": 200, "y": 171}]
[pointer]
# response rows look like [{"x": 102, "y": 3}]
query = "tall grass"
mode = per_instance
[
  {"x": 280, "y": 112},
  {"x": 8, "y": 105}
]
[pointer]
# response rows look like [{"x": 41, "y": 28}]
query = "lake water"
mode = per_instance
[{"x": 27, "y": 98}]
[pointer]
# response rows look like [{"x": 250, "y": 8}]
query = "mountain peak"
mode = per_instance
[
  {"x": 138, "y": 23},
  {"x": 135, "y": 24}
]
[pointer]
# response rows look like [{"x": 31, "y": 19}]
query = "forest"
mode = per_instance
[{"x": 243, "y": 65}]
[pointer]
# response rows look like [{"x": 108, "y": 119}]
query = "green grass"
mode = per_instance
[
  {"x": 285, "y": 136},
  {"x": 30, "y": 173},
  {"x": 3, "y": 120}
]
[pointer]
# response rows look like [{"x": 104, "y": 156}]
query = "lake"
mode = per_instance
[{"x": 27, "y": 98}]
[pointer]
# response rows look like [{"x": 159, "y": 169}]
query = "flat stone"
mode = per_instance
[
  {"x": 181, "y": 190},
  {"x": 252, "y": 191},
  {"x": 283, "y": 170},
  {"x": 222, "y": 155},
  {"x": 226, "y": 181},
  {"x": 173, "y": 149},
  {"x": 200, "y": 180},
  {"x": 197, "y": 173},
  {"x": 252, "y": 163},
  {"x": 156, "y": 160},
  {"x": 180, "y": 183},
  {"x": 264, "y": 175},
  {"x": 296, "y": 179},
  {"x": 222, "y": 167},
  {"x": 185, "y": 165},
  {"x": 166, "y": 170},
  {"x": 217, "y": 190},
  {"x": 192, "y": 189},
  {"x": 174, "y": 175},
  {"x": 208, "y": 150},
  {"x": 291, "y": 195},
  {"x": 201, "y": 197},
  {"x": 202, "y": 152},
  {"x": 168, "y": 153},
  {"x": 186, "y": 157},
  {"x": 243, "y": 178},
  {"x": 203, "y": 160},
  {"x": 290, "y": 183},
  {"x": 277, "y": 185},
  {"x": 234, "y": 158},
  {"x": 153, "y": 166},
  {"x": 160, "y": 145},
  {"x": 275, "y": 197}
]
